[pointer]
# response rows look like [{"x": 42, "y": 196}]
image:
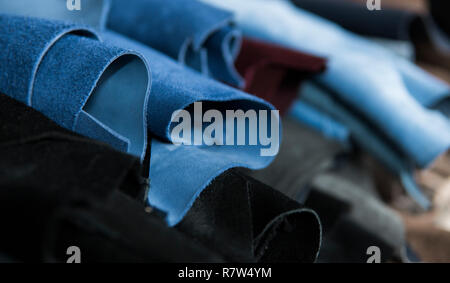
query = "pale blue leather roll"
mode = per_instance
[
  {"x": 391, "y": 93},
  {"x": 364, "y": 135},
  {"x": 319, "y": 121}
]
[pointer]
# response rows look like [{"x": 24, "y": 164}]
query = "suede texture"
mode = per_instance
[
  {"x": 105, "y": 87},
  {"x": 202, "y": 37},
  {"x": 179, "y": 173},
  {"x": 35, "y": 48},
  {"x": 59, "y": 189}
]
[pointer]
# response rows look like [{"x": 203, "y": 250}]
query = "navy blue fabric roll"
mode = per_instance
[{"x": 196, "y": 34}]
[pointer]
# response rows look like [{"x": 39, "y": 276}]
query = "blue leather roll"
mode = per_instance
[
  {"x": 191, "y": 32},
  {"x": 65, "y": 72},
  {"x": 105, "y": 90}
]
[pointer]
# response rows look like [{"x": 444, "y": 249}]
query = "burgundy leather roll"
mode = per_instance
[{"x": 275, "y": 73}]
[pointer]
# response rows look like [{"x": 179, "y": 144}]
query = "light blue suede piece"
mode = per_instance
[
  {"x": 315, "y": 119},
  {"x": 194, "y": 33},
  {"x": 364, "y": 136},
  {"x": 425, "y": 88},
  {"x": 379, "y": 85},
  {"x": 179, "y": 173},
  {"x": 57, "y": 68}
]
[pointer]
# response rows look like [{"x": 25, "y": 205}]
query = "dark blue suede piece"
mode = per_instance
[
  {"x": 182, "y": 29},
  {"x": 84, "y": 61},
  {"x": 57, "y": 71},
  {"x": 179, "y": 173},
  {"x": 88, "y": 86},
  {"x": 175, "y": 87},
  {"x": 222, "y": 49}
]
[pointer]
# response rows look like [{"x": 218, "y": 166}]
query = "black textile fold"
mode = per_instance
[
  {"x": 247, "y": 221},
  {"x": 391, "y": 23},
  {"x": 315, "y": 171},
  {"x": 303, "y": 154},
  {"x": 59, "y": 189},
  {"x": 386, "y": 23},
  {"x": 439, "y": 10},
  {"x": 354, "y": 218},
  {"x": 118, "y": 230},
  {"x": 5, "y": 259}
]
